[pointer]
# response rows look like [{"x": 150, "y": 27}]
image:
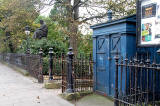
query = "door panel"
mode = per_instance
[
  {"x": 102, "y": 81},
  {"x": 115, "y": 45}
]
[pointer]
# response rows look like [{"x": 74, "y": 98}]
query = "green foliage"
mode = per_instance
[
  {"x": 68, "y": 15},
  {"x": 85, "y": 45},
  {"x": 45, "y": 44},
  {"x": 58, "y": 14},
  {"x": 121, "y": 8},
  {"x": 56, "y": 39},
  {"x": 15, "y": 15}
]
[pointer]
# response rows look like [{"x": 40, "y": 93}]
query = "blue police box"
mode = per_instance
[{"x": 107, "y": 39}]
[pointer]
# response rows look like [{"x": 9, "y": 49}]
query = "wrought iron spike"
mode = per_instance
[
  {"x": 148, "y": 61},
  {"x": 126, "y": 59},
  {"x": 158, "y": 51},
  {"x": 121, "y": 58},
  {"x": 116, "y": 56},
  {"x": 154, "y": 61},
  {"x": 135, "y": 59},
  {"x": 141, "y": 62},
  {"x": 131, "y": 61},
  {"x": 40, "y": 51}
]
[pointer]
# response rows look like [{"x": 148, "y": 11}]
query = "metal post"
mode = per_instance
[
  {"x": 27, "y": 46},
  {"x": 40, "y": 74},
  {"x": 116, "y": 81},
  {"x": 5, "y": 41},
  {"x": 27, "y": 31},
  {"x": 28, "y": 57},
  {"x": 121, "y": 71},
  {"x": 141, "y": 79},
  {"x": 62, "y": 72},
  {"x": 136, "y": 77},
  {"x": 126, "y": 65},
  {"x": 69, "y": 71},
  {"x": 51, "y": 64},
  {"x": 154, "y": 79},
  {"x": 147, "y": 66}
]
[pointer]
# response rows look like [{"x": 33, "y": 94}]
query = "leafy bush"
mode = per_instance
[{"x": 45, "y": 44}]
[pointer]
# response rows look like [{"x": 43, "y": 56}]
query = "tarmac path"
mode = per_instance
[{"x": 19, "y": 90}]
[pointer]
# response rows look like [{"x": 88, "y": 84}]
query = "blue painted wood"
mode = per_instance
[{"x": 107, "y": 39}]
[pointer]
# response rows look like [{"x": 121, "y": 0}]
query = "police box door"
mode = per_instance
[
  {"x": 115, "y": 45},
  {"x": 102, "y": 72}
]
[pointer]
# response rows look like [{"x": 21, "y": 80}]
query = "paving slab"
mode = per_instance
[{"x": 19, "y": 90}]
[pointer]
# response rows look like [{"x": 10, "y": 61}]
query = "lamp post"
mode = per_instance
[
  {"x": 10, "y": 45},
  {"x": 70, "y": 71},
  {"x": 51, "y": 63},
  {"x": 5, "y": 41},
  {"x": 27, "y": 32}
]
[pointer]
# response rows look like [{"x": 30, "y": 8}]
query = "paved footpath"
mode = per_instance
[{"x": 18, "y": 90}]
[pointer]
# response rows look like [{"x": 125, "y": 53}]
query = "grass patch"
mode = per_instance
[
  {"x": 52, "y": 85},
  {"x": 75, "y": 96}
]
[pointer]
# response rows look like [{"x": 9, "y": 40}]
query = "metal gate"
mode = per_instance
[{"x": 82, "y": 73}]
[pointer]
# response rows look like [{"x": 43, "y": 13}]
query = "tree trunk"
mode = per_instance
[
  {"x": 73, "y": 15},
  {"x": 74, "y": 38}
]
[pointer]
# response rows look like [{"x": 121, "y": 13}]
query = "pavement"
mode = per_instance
[{"x": 19, "y": 90}]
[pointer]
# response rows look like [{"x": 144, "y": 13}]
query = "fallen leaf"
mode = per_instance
[{"x": 38, "y": 97}]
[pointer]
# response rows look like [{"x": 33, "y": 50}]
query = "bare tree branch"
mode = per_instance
[
  {"x": 76, "y": 4},
  {"x": 94, "y": 17}
]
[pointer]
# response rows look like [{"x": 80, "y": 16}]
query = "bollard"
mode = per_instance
[
  {"x": 116, "y": 80},
  {"x": 51, "y": 64},
  {"x": 69, "y": 71},
  {"x": 40, "y": 74}
]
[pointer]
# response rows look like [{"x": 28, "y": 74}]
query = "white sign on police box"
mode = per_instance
[{"x": 150, "y": 22}]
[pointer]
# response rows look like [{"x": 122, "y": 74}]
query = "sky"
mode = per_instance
[
  {"x": 45, "y": 12},
  {"x": 84, "y": 28}
]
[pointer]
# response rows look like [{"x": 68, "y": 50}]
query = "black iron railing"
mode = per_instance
[
  {"x": 76, "y": 73},
  {"x": 136, "y": 81},
  {"x": 31, "y": 63},
  {"x": 82, "y": 73}
]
